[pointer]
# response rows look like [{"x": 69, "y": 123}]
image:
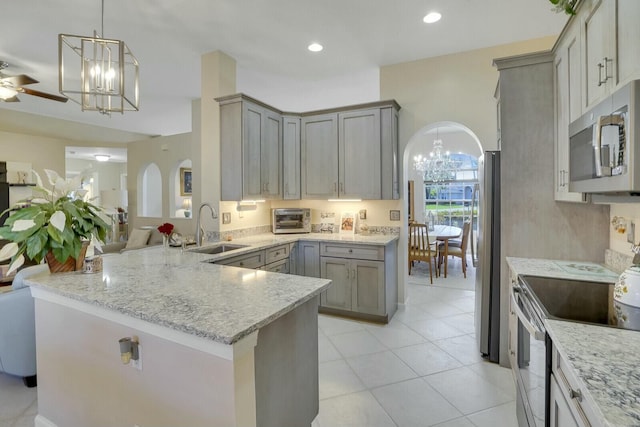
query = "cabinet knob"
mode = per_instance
[
  {"x": 241, "y": 263},
  {"x": 576, "y": 394},
  {"x": 350, "y": 251}
]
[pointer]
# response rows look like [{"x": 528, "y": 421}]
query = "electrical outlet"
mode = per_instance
[
  {"x": 137, "y": 364},
  {"x": 226, "y": 217},
  {"x": 363, "y": 214}
]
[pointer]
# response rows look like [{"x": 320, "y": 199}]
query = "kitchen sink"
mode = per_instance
[
  {"x": 577, "y": 300},
  {"x": 217, "y": 249}
]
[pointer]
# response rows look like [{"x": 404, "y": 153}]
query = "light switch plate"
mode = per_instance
[{"x": 226, "y": 217}]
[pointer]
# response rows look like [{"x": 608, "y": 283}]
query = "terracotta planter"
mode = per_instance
[{"x": 70, "y": 264}]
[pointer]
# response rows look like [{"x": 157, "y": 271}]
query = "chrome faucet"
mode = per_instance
[{"x": 199, "y": 229}]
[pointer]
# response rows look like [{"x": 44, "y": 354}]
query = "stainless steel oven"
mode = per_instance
[{"x": 531, "y": 359}]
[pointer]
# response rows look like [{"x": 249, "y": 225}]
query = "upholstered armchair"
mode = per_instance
[{"x": 17, "y": 328}]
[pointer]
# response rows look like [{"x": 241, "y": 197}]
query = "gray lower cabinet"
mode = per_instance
[
  {"x": 358, "y": 285},
  {"x": 559, "y": 411},
  {"x": 254, "y": 259},
  {"x": 275, "y": 259},
  {"x": 308, "y": 259},
  {"x": 364, "y": 282},
  {"x": 568, "y": 400}
]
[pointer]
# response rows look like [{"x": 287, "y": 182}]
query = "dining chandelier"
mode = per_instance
[
  {"x": 438, "y": 166},
  {"x": 97, "y": 73}
]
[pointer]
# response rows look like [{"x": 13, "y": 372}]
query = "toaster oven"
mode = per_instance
[{"x": 291, "y": 220}]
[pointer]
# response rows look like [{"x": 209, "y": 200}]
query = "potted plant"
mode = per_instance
[
  {"x": 566, "y": 6},
  {"x": 57, "y": 225}
]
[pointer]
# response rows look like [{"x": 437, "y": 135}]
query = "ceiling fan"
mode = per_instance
[{"x": 11, "y": 86}]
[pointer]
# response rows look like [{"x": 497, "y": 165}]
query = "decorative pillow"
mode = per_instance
[
  {"x": 138, "y": 238},
  {"x": 155, "y": 238}
]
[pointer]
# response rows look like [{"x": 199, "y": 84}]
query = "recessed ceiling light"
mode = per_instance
[
  {"x": 315, "y": 47},
  {"x": 102, "y": 157},
  {"x": 432, "y": 17}
]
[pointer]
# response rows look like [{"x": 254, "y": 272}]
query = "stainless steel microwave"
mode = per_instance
[
  {"x": 291, "y": 220},
  {"x": 604, "y": 145}
]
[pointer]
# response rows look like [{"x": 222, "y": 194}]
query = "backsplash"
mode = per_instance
[
  {"x": 215, "y": 236},
  {"x": 617, "y": 261}
]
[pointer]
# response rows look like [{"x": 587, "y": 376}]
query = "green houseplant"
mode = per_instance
[
  {"x": 566, "y": 6},
  {"x": 55, "y": 224}
]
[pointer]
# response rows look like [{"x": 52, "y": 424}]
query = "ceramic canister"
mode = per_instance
[{"x": 626, "y": 295}]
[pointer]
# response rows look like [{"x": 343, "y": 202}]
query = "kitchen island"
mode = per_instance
[
  {"x": 601, "y": 361},
  {"x": 220, "y": 346}
]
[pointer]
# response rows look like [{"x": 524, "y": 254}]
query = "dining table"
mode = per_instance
[{"x": 443, "y": 233}]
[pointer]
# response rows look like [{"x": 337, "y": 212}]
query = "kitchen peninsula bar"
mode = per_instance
[{"x": 220, "y": 346}]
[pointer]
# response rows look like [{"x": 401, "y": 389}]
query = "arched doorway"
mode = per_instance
[{"x": 457, "y": 138}]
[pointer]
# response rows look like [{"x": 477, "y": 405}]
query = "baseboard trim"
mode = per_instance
[{"x": 41, "y": 421}]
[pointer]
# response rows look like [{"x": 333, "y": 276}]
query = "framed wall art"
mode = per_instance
[{"x": 185, "y": 181}]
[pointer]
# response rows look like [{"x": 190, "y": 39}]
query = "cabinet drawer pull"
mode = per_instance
[{"x": 576, "y": 394}]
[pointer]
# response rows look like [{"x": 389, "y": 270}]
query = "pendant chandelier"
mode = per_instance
[
  {"x": 438, "y": 166},
  {"x": 97, "y": 73}
]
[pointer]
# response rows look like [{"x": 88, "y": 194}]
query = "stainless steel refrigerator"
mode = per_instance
[{"x": 486, "y": 255}]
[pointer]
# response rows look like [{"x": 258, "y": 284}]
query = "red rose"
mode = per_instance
[{"x": 166, "y": 228}]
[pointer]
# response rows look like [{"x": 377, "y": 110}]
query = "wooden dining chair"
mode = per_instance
[
  {"x": 458, "y": 248},
  {"x": 420, "y": 249}
]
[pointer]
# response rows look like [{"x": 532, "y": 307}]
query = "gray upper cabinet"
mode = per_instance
[
  {"x": 319, "y": 170},
  {"x": 359, "y": 155},
  {"x": 596, "y": 54},
  {"x": 291, "y": 157},
  {"x": 566, "y": 101},
  {"x": 599, "y": 58},
  {"x": 351, "y": 154},
  {"x": 251, "y": 146},
  {"x": 610, "y": 41},
  {"x": 389, "y": 146}
]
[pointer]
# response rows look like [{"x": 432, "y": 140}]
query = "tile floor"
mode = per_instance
[{"x": 422, "y": 369}]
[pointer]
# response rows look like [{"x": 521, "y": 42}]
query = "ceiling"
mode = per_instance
[{"x": 168, "y": 38}]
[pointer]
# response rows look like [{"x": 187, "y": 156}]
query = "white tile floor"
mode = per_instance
[{"x": 422, "y": 369}]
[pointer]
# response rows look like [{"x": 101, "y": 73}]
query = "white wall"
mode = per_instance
[
  {"x": 458, "y": 88},
  {"x": 41, "y": 152},
  {"x": 168, "y": 153},
  {"x": 308, "y": 95}
]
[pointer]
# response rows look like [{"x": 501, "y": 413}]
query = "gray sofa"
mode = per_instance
[
  {"x": 139, "y": 238},
  {"x": 17, "y": 328}
]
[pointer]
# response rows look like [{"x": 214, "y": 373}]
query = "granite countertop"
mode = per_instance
[
  {"x": 577, "y": 270},
  {"x": 175, "y": 289},
  {"x": 603, "y": 358}
]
